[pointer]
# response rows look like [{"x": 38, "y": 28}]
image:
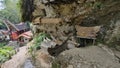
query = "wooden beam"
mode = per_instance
[
  {"x": 93, "y": 41},
  {"x": 12, "y": 25},
  {"x": 6, "y": 25}
]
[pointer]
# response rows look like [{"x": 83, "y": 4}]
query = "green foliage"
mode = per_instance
[
  {"x": 56, "y": 65},
  {"x": 5, "y": 53},
  {"x": 3, "y": 58},
  {"x": 2, "y": 44},
  {"x": 10, "y": 15},
  {"x": 37, "y": 41},
  {"x": 98, "y": 5},
  {"x": 2, "y": 25},
  {"x": 10, "y": 11},
  {"x": 40, "y": 38}
]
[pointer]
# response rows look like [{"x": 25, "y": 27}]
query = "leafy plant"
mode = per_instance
[
  {"x": 10, "y": 12},
  {"x": 5, "y": 53},
  {"x": 98, "y": 5},
  {"x": 37, "y": 41},
  {"x": 3, "y": 58},
  {"x": 55, "y": 64},
  {"x": 2, "y": 44}
]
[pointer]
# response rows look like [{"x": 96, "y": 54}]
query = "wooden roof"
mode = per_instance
[
  {"x": 21, "y": 26},
  {"x": 27, "y": 34},
  {"x": 10, "y": 25},
  {"x": 87, "y": 32}
]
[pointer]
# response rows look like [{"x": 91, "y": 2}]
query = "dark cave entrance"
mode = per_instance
[{"x": 85, "y": 41}]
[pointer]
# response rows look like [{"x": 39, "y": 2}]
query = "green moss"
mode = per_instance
[
  {"x": 55, "y": 65},
  {"x": 98, "y": 5}
]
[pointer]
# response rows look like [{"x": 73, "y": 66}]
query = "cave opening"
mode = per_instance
[{"x": 85, "y": 42}]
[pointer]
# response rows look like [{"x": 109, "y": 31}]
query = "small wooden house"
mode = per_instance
[
  {"x": 87, "y": 33},
  {"x": 16, "y": 30}
]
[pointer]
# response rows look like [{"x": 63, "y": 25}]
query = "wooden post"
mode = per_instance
[
  {"x": 93, "y": 41},
  {"x": 85, "y": 42}
]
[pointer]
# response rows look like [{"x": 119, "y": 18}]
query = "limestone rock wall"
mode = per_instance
[{"x": 76, "y": 12}]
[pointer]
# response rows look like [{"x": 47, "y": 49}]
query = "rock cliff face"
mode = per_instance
[
  {"x": 105, "y": 13},
  {"x": 59, "y": 18}
]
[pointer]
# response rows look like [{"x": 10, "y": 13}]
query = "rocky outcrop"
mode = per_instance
[
  {"x": 59, "y": 18},
  {"x": 86, "y": 13},
  {"x": 89, "y": 57},
  {"x": 43, "y": 60}
]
